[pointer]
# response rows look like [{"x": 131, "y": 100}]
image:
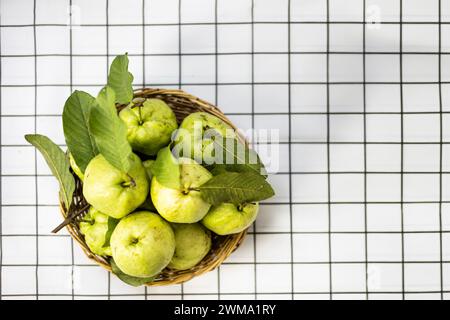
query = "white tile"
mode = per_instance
[
  {"x": 273, "y": 247},
  {"x": 52, "y": 128},
  {"x": 164, "y": 297},
  {"x": 205, "y": 92},
  {"x": 52, "y": 40},
  {"x": 269, "y": 222},
  {"x": 421, "y": 217},
  {"x": 14, "y": 129},
  {"x": 445, "y": 64},
  {"x": 273, "y": 296},
  {"x": 422, "y": 276},
  {"x": 161, "y": 39},
  {"x": 277, "y": 123},
  {"x": 309, "y": 217},
  {"x": 446, "y": 278},
  {"x": 234, "y": 10},
  {"x": 446, "y": 217},
  {"x": 243, "y": 123},
  {"x": 383, "y": 217},
  {"x": 48, "y": 190},
  {"x": 234, "y": 68},
  {"x": 416, "y": 10},
  {"x": 422, "y": 296},
  {"x": 17, "y": 160},
  {"x": 346, "y": 98},
  {"x": 60, "y": 67},
  {"x": 420, "y": 38},
  {"x": 421, "y": 157},
  {"x": 89, "y": 40},
  {"x": 55, "y": 250},
  {"x": 308, "y": 68},
  {"x": 445, "y": 187},
  {"x": 422, "y": 247},
  {"x": 48, "y": 219},
  {"x": 383, "y": 157},
  {"x": 197, "y": 69},
  {"x": 18, "y": 250},
  {"x": 346, "y": 37},
  {"x": 347, "y": 247},
  {"x": 133, "y": 297},
  {"x": 346, "y": 68},
  {"x": 347, "y": 187},
  {"x": 346, "y": 10},
  {"x": 161, "y": 69},
  {"x": 89, "y": 70},
  {"x": 445, "y": 37},
  {"x": 347, "y": 217},
  {"x": 11, "y": 43},
  {"x": 270, "y": 97},
  {"x": 266, "y": 282},
  {"x": 274, "y": 156},
  {"x": 18, "y": 190},
  {"x": 18, "y": 280},
  {"x": 446, "y": 157},
  {"x": 175, "y": 289},
  {"x": 205, "y": 283},
  {"x": 383, "y": 37},
  {"x": 237, "y": 278},
  {"x": 125, "y": 40},
  {"x": 197, "y": 11},
  {"x": 346, "y": 128},
  {"x": 271, "y": 68},
  {"x": 385, "y": 296},
  {"x": 308, "y": 37},
  {"x": 309, "y": 157},
  {"x": 162, "y": 11},
  {"x": 382, "y": 10},
  {"x": 270, "y": 37},
  {"x": 235, "y": 98},
  {"x": 346, "y": 157},
  {"x": 136, "y": 68},
  {"x": 420, "y": 68},
  {"x": 309, "y": 10},
  {"x": 309, "y": 128},
  {"x": 310, "y": 247},
  {"x": 17, "y": 70},
  {"x": 119, "y": 287},
  {"x": 47, "y": 11},
  {"x": 311, "y": 278},
  {"x": 384, "y": 277},
  {"x": 55, "y": 280},
  {"x": 89, "y": 12},
  {"x": 420, "y": 98},
  {"x": 245, "y": 253},
  {"x": 382, "y": 98},
  {"x": 348, "y": 277},
  {"x": 445, "y": 10},
  {"x": 16, "y": 12},
  {"x": 309, "y": 188},
  {"x": 234, "y": 38},
  {"x": 197, "y": 39},
  {"x": 382, "y": 68},
  {"x": 384, "y": 247},
  {"x": 90, "y": 280},
  {"x": 312, "y": 296},
  {"x": 308, "y": 98},
  {"x": 13, "y": 106},
  {"x": 383, "y": 187},
  {"x": 280, "y": 183},
  {"x": 267, "y": 10},
  {"x": 383, "y": 128},
  {"x": 446, "y": 128},
  {"x": 421, "y": 128},
  {"x": 131, "y": 13},
  {"x": 421, "y": 187},
  {"x": 349, "y": 296},
  {"x": 51, "y": 100},
  {"x": 13, "y": 218}
]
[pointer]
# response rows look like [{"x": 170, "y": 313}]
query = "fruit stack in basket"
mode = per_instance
[{"x": 156, "y": 189}]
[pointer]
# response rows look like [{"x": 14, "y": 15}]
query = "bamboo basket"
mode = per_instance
[{"x": 182, "y": 104}]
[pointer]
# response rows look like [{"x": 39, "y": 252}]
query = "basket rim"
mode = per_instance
[{"x": 232, "y": 242}]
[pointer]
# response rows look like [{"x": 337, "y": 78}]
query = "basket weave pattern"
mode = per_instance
[{"x": 182, "y": 104}]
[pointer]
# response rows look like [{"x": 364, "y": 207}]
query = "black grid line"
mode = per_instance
[
  {"x": 1, "y": 166},
  {"x": 107, "y": 68},
  {"x": 143, "y": 80},
  {"x": 216, "y": 97},
  {"x": 253, "y": 126},
  {"x": 441, "y": 126},
  {"x": 402, "y": 151},
  {"x": 365, "y": 152},
  {"x": 35, "y": 153}
]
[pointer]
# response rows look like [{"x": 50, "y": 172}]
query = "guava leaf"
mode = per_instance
[
  {"x": 166, "y": 169},
  {"x": 237, "y": 188},
  {"x": 109, "y": 131},
  {"x": 112, "y": 223},
  {"x": 236, "y": 157},
  {"x": 132, "y": 281},
  {"x": 58, "y": 163},
  {"x": 79, "y": 137},
  {"x": 120, "y": 79}
]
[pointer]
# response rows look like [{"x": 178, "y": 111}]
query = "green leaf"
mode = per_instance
[
  {"x": 132, "y": 281},
  {"x": 79, "y": 138},
  {"x": 234, "y": 156},
  {"x": 120, "y": 80},
  {"x": 166, "y": 169},
  {"x": 109, "y": 131},
  {"x": 112, "y": 223},
  {"x": 58, "y": 163},
  {"x": 237, "y": 188}
]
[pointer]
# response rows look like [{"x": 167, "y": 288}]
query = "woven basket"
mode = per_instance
[{"x": 182, "y": 104}]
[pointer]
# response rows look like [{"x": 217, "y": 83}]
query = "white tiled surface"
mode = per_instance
[{"x": 357, "y": 213}]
